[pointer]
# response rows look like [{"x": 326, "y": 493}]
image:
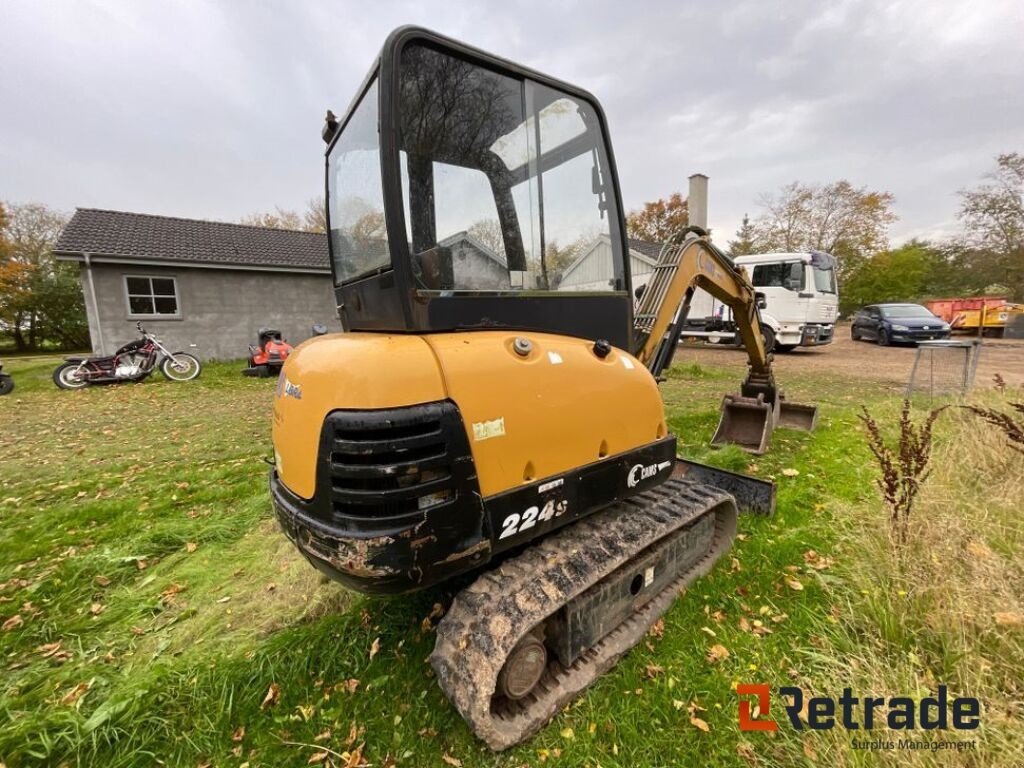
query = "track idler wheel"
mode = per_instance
[{"x": 523, "y": 669}]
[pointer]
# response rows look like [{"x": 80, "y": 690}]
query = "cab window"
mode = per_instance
[
  {"x": 788, "y": 275},
  {"x": 505, "y": 182}
]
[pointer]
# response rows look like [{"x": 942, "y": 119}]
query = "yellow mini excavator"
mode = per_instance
[{"x": 491, "y": 418}]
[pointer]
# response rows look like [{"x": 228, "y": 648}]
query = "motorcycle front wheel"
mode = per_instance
[
  {"x": 182, "y": 367},
  {"x": 67, "y": 377},
  {"x": 6, "y": 384}
]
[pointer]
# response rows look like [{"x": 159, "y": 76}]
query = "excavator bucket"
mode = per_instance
[
  {"x": 797, "y": 415},
  {"x": 747, "y": 422}
]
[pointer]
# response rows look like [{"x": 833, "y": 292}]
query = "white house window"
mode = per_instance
[{"x": 152, "y": 296}]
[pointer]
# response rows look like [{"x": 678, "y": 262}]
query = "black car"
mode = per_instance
[{"x": 895, "y": 323}]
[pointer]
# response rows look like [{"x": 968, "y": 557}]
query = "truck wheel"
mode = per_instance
[{"x": 768, "y": 336}]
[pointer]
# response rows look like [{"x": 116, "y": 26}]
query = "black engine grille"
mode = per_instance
[{"x": 391, "y": 463}]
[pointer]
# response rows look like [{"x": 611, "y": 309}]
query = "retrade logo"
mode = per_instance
[
  {"x": 748, "y": 715},
  {"x": 822, "y": 713}
]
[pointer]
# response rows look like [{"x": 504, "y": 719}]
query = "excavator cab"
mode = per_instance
[{"x": 463, "y": 192}]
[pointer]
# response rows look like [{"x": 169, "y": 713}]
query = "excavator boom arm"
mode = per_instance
[
  {"x": 691, "y": 261},
  {"x": 683, "y": 266}
]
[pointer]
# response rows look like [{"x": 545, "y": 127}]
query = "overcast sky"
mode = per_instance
[{"x": 213, "y": 109}]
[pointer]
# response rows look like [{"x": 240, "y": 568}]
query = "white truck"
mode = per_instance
[{"x": 801, "y": 302}]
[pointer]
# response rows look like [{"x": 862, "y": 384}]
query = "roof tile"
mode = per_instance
[{"x": 167, "y": 238}]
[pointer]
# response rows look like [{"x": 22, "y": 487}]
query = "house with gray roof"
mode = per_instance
[{"x": 205, "y": 283}]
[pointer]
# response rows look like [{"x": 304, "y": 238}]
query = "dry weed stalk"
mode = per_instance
[
  {"x": 903, "y": 470},
  {"x": 1012, "y": 427}
]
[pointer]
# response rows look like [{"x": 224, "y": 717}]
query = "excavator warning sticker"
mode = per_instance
[{"x": 484, "y": 430}]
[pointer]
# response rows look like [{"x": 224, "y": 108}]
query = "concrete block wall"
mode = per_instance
[{"x": 220, "y": 309}]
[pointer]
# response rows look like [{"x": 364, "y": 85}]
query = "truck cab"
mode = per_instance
[{"x": 800, "y": 294}]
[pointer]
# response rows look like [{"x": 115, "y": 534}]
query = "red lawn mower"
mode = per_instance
[{"x": 268, "y": 355}]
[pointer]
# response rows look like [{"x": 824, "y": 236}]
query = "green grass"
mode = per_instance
[{"x": 138, "y": 535}]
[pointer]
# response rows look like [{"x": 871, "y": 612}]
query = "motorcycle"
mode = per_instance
[
  {"x": 6, "y": 382},
  {"x": 133, "y": 362}
]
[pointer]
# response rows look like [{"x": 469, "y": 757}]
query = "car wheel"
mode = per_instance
[
  {"x": 883, "y": 337},
  {"x": 854, "y": 336}
]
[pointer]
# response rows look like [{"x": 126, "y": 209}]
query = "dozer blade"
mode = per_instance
[
  {"x": 747, "y": 422},
  {"x": 797, "y": 415},
  {"x": 753, "y": 495}
]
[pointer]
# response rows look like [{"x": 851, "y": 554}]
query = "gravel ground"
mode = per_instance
[{"x": 865, "y": 360}]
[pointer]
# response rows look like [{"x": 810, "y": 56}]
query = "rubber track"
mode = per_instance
[{"x": 489, "y": 617}]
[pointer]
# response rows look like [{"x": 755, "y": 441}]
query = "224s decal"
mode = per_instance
[{"x": 516, "y": 523}]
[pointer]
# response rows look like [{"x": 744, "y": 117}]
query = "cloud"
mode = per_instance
[{"x": 213, "y": 109}]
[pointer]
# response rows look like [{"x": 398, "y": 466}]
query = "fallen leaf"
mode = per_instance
[
  {"x": 746, "y": 750},
  {"x": 191, "y": 546},
  {"x": 678, "y": 704},
  {"x": 273, "y": 694},
  {"x": 717, "y": 653},
  {"x": 794, "y": 583},
  {"x": 809, "y": 752},
  {"x": 317, "y": 757},
  {"x": 790, "y": 472},
  {"x": 239, "y": 733},
  {"x": 653, "y": 670},
  {"x": 453, "y": 761},
  {"x": 75, "y": 693},
  {"x": 48, "y": 649},
  {"x": 350, "y": 685},
  {"x": 141, "y": 565},
  {"x": 97, "y": 608},
  {"x": 744, "y": 624},
  {"x": 13, "y": 623},
  {"x": 568, "y": 733},
  {"x": 700, "y": 724},
  {"x": 374, "y": 648},
  {"x": 1009, "y": 619},
  {"x": 978, "y": 550},
  {"x": 657, "y": 629},
  {"x": 103, "y": 581},
  {"x": 323, "y": 735}
]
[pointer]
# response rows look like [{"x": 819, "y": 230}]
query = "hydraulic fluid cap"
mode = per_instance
[
  {"x": 602, "y": 348},
  {"x": 522, "y": 346}
]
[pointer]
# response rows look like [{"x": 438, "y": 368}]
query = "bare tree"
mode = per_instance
[
  {"x": 279, "y": 218},
  {"x": 849, "y": 222},
  {"x": 488, "y": 232},
  {"x": 993, "y": 213},
  {"x": 314, "y": 219}
]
